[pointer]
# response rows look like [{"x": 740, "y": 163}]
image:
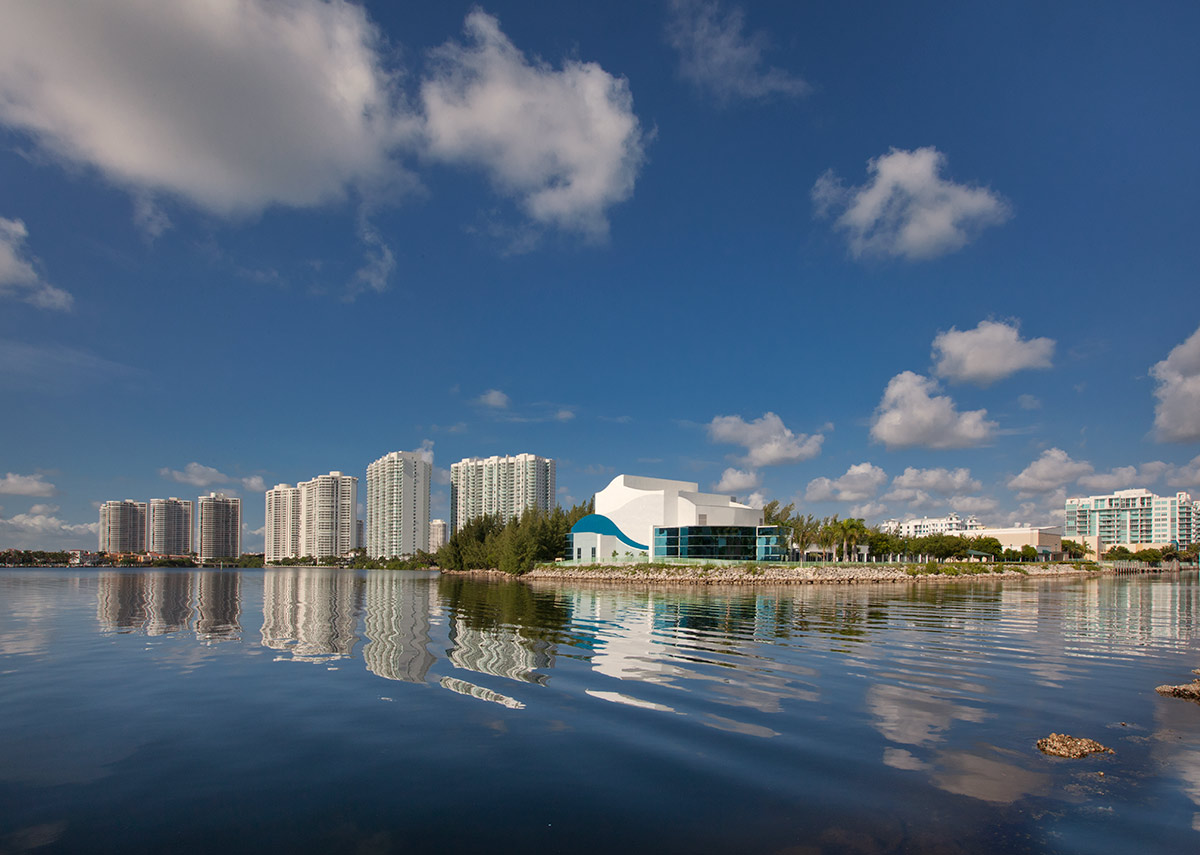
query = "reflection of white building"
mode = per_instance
[
  {"x": 168, "y": 596},
  {"x": 313, "y": 613},
  {"x": 397, "y": 626},
  {"x": 500, "y": 651},
  {"x": 218, "y": 606}
]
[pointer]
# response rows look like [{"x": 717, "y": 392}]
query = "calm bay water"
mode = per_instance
[{"x": 321, "y": 711}]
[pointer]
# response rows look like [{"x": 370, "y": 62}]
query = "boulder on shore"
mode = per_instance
[
  {"x": 1074, "y": 747},
  {"x": 1188, "y": 691}
]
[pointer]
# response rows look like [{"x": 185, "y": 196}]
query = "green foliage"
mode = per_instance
[
  {"x": 1075, "y": 550},
  {"x": 536, "y": 536},
  {"x": 1149, "y": 556},
  {"x": 33, "y": 558},
  {"x": 1118, "y": 553}
]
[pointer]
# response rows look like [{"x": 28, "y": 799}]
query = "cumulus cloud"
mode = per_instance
[
  {"x": 564, "y": 415},
  {"x": 912, "y": 414},
  {"x": 907, "y": 209},
  {"x": 718, "y": 56},
  {"x": 767, "y": 441},
  {"x": 1029, "y": 402},
  {"x": 19, "y": 279},
  {"x": 564, "y": 142},
  {"x": 195, "y": 474},
  {"x": 1185, "y": 476},
  {"x": 914, "y": 498},
  {"x": 233, "y": 105},
  {"x": 1050, "y": 471},
  {"x": 938, "y": 480},
  {"x": 1177, "y": 413},
  {"x": 756, "y": 499},
  {"x": 40, "y": 529},
  {"x": 990, "y": 352},
  {"x": 861, "y": 482},
  {"x": 736, "y": 481},
  {"x": 13, "y": 484},
  {"x": 425, "y": 450},
  {"x": 868, "y": 510},
  {"x": 972, "y": 504},
  {"x": 493, "y": 398},
  {"x": 254, "y": 484},
  {"x": 1124, "y": 477}
]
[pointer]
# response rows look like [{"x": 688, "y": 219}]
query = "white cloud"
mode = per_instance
[
  {"x": 195, "y": 474},
  {"x": 861, "y": 482},
  {"x": 1052, "y": 470},
  {"x": 441, "y": 477},
  {"x": 233, "y": 105},
  {"x": 906, "y": 209},
  {"x": 44, "y": 509},
  {"x": 1124, "y": 476},
  {"x": 254, "y": 484},
  {"x": 378, "y": 261},
  {"x": 564, "y": 415},
  {"x": 13, "y": 484},
  {"x": 493, "y": 398},
  {"x": 565, "y": 143},
  {"x": 716, "y": 54},
  {"x": 1185, "y": 476},
  {"x": 40, "y": 529},
  {"x": 19, "y": 279},
  {"x": 736, "y": 481},
  {"x": 868, "y": 510},
  {"x": 911, "y": 414},
  {"x": 914, "y": 498},
  {"x": 990, "y": 352},
  {"x": 1029, "y": 402},
  {"x": 756, "y": 499},
  {"x": 425, "y": 450},
  {"x": 938, "y": 480},
  {"x": 766, "y": 440},
  {"x": 972, "y": 504},
  {"x": 1177, "y": 413}
]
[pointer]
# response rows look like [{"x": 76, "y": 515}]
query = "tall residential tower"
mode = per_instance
[
  {"x": 281, "y": 529},
  {"x": 503, "y": 487},
  {"x": 123, "y": 526},
  {"x": 169, "y": 529},
  {"x": 220, "y": 527},
  {"x": 398, "y": 504},
  {"x": 328, "y": 507}
]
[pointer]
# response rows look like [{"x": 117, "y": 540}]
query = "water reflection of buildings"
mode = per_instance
[
  {"x": 397, "y": 626},
  {"x": 502, "y": 651},
  {"x": 311, "y": 613},
  {"x": 165, "y": 602}
]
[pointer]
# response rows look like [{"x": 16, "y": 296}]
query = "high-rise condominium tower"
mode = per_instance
[
  {"x": 281, "y": 530},
  {"x": 328, "y": 504},
  {"x": 503, "y": 487},
  {"x": 123, "y": 526},
  {"x": 169, "y": 529},
  {"x": 437, "y": 535},
  {"x": 398, "y": 504},
  {"x": 220, "y": 527}
]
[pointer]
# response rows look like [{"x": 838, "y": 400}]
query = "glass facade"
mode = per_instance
[{"x": 725, "y": 542}]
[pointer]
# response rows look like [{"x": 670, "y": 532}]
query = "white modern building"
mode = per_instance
[
  {"x": 501, "y": 487},
  {"x": 663, "y": 519},
  {"x": 1136, "y": 519},
  {"x": 952, "y": 523},
  {"x": 281, "y": 527},
  {"x": 220, "y": 526},
  {"x": 169, "y": 526},
  {"x": 123, "y": 526},
  {"x": 1047, "y": 540},
  {"x": 398, "y": 504},
  {"x": 437, "y": 535},
  {"x": 328, "y": 508}
]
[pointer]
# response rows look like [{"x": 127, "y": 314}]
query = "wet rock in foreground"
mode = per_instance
[
  {"x": 1188, "y": 691},
  {"x": 1074, "y": 747}
]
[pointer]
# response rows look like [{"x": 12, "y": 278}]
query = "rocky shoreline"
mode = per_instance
[{"x": 848, "y": 574}]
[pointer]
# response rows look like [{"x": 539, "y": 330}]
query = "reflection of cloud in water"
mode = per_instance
[
  {"x": 462, "y": 687},
  {"x": 914, "y": 716},
  {"x": 722, "y": 723},
  {"x": 1174, "y": 717},
  {"x": 966, "y": 774},
  {"x": 899, "y": 758},
  {"x": 618, "y": 698}
]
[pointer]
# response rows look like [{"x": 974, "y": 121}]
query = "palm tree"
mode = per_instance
[
  {"x": 852, "y": 531},
  {"x": 829, "y": 534}
]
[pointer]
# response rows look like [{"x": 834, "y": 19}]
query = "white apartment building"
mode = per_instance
[
  {"x": 169, "y": 526},
  {"x": 220, "y": 526},
  {"x": 123, "y": 526},
  {"x": 502, "y": 487},
  {"x": 952, "y": 523},
  {"x": 328, "y": 515},
  {"x": 437, "y": 535},
  {"x": 398, "y": 504},
  {"x": 1136, "y": 519},
  {"x": 281, "y": 529}
]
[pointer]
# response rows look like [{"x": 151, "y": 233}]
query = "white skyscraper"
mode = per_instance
[
  {"x": 281, "y": 530},
  {"x": 123, "y": 526},
  {"x": 437, "y": 535},
  {"x": 398, "y": 504},
  {"x": 169, "y": 529},
  {"x": 220, "y": 526},
  {"x": 503, "y": 487},
  {"x": 328, "y": 504}
]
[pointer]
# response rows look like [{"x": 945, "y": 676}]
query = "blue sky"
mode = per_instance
[{"x": 883, "y": 261}]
